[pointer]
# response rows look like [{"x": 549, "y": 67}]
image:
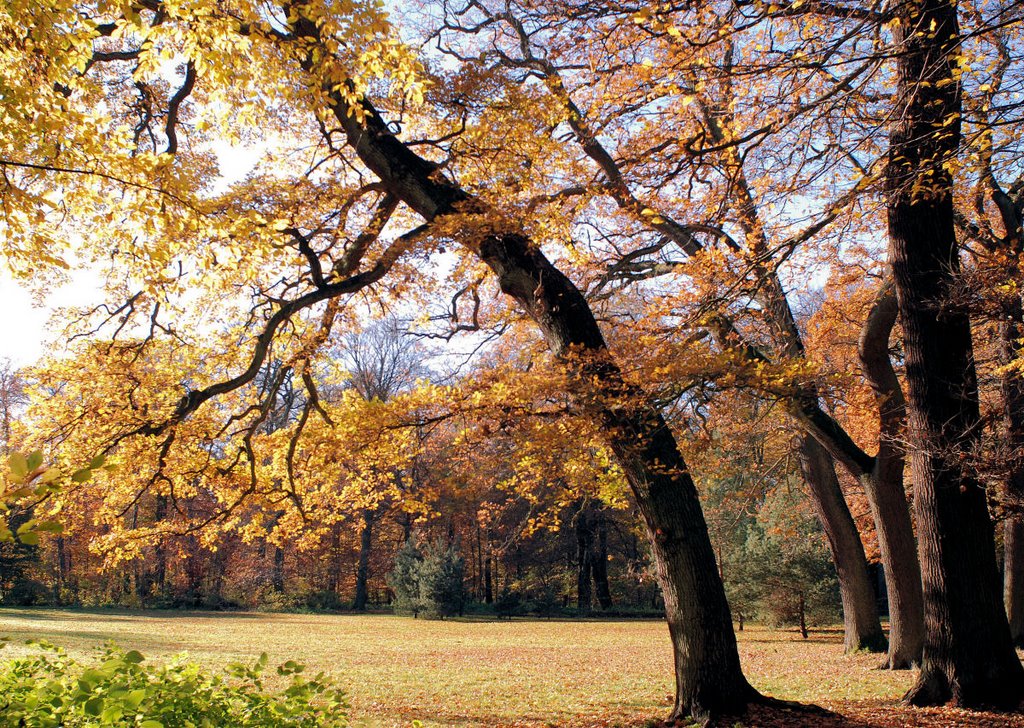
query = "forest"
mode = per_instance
[{"x": 702, "y": 311}]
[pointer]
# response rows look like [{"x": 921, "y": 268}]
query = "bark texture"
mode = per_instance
[
  {"x": 968, "y": 656},
  {"x": 883, "y": 485},
  {"x": 1011, "y": 332},
  {"x": 363, "y": 566}
]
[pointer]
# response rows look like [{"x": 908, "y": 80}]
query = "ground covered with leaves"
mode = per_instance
[{"x": 527, "y": 673}]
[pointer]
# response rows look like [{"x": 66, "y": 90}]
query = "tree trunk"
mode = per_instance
[
  {"x": 709, "y": 680},
  {"x": 160, "y": 569},
  {"x": 1011, "y": 332},
  {"x": 599, "y": 568},
  {"x": 363, "y": 569},
  {"x": 883, "y": 485},
  {"x": 488, "y": 587},
  {"x": 862, "y": 628},
  {"x": 968, "y": 657},
  {"x": 277, "y": 574},
  {"x": 584, "y": 560}
]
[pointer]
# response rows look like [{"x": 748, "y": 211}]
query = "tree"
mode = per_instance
[
  {"x": 404, "y": 579},
  {"x": 968, "y": 652},
  {"x": 320, "y": 64}
]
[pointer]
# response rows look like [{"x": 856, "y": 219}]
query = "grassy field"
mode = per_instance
[{"x": 486, "y": 673}]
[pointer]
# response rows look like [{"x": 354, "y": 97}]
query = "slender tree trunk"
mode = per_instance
[
  {"x": 803, "y": 617},
  {"x": 968, "y": 655},
  {"x": 277, "y": 573},
  {"x": 584, "y": 560},
  {"x": 334, "y": 559},
  {"x": 160, "y": 569},
  {"x": 600, "y": 566},
  {"x": 1011, "y": 332},
  {"x": 862, "y": 627},
  {"x": 883, "y": 485},
  {"x": 363, "y": 568},
  {"x": 488, "y": 588}
]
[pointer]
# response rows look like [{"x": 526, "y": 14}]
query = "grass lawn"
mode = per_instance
[{"x": 490, "y": 673}]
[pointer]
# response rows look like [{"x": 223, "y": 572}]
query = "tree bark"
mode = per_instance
[
  {"x": 488, "y": 587},
  {"x": 584, "y": 560},
  {"x": 363, "y": 568},
  {"x": 277, "y": 573},
  {"x": 600, "y": 566},
  {"x": 968, "y": 657},
  {"x": 861, "y": 625},
  {"x": 1011, "y": 332},
  {"x": 883, "y": 485}
]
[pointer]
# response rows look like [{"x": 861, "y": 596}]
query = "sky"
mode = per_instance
[{"x": 25, "y": 331}]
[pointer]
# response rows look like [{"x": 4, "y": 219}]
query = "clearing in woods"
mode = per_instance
[{"x": 499, "y": 673}]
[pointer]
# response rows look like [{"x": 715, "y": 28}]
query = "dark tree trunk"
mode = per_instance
[
  {"x": 334, "y": 559},
  {"x": 968, "y": 655},
  {"x": 1011, "y": 332},
  {"x": 363, "y": 567},
  {"x": 862, "y": 628},
  {"x": 803, "y": 617},
  {"x": 883, "y": 485},
  {"x": 160, "y": 568},
  {"x": 600, "y": 566},
  {"x": 60, "y": 573},
  {"x": 277, "y": 573},
  {"x": 488, "y": 588},
  {"x": 584, "y": 560},
  {"x": 708, "y": 675}
]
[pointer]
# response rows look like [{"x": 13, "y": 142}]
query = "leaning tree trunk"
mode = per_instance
[
  {"x": 883, "y": 485},
  {"x": 708, "y": 676},
  {"x": 1011, "y": 332},
  {"x": 709, "y": 680},
  {"x": 861, "y": 626},
  {"x": 363, "y": 567},
  {"x": 968, "y": 655}
]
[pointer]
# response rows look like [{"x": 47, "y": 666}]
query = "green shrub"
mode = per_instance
[
  {"x": 50, "y": 689},
  {"x": 404, "y": 579},
  {"x": 427, "y": 582},
  {"x": 440, "y": 576}
]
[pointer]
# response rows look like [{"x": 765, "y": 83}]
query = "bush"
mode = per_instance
[
  {"x": 508, "y": 604},
  {"x": 440, "y": 575},
  {"x": 404, "y": 579},
  {"x": 50, "y": 689},
  {"x": 429, "y": 582}
]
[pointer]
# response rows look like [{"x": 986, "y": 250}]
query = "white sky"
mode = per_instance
[{"x": 25, "y": 331}]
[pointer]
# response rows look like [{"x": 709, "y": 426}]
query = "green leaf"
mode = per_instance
[
  {"x": 134, "y": 657},
  {"x": 34, "y": 460},
  {"x": 80, "y": 476},
  {"x": 112, "y": 714},
  {"x": 94, "y": 706},
  {"x": 134, "y": 699},
  {"x": 50, "y": 526},
  {"x": 151, "y": 724},
  {"x": 97, "y": 462},
  {"x": 49, "y": 475},
  {"x": 29, "y": 539},
  {"x": 18, "y": 463}
]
